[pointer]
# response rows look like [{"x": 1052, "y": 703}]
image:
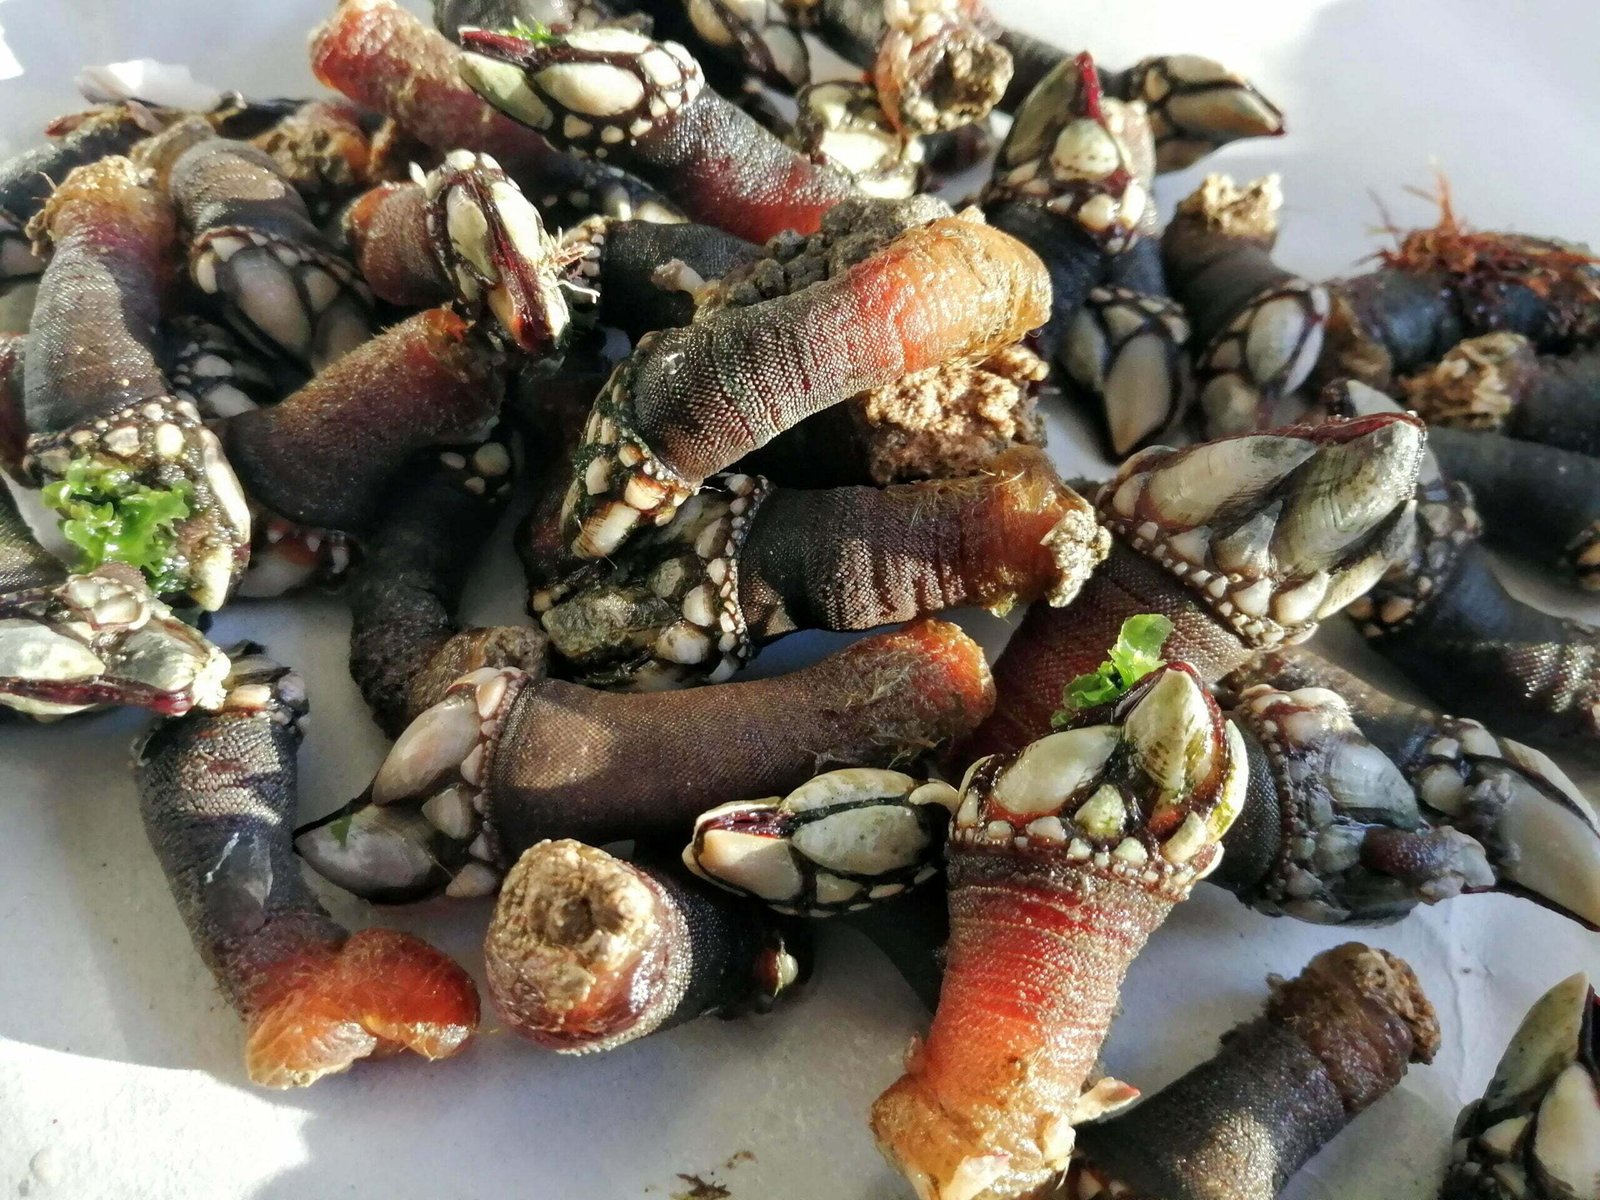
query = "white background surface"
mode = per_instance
[{"x": 120, "y": 1069}]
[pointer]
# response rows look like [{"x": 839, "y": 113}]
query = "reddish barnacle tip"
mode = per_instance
[
  {"x": 967, "y": 670},
  {"x": 1089, "y": 93},
  {"x": 377, "y": 994},
  {"x": 507, "y": 47}
]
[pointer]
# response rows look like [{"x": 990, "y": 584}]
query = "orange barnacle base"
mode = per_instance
[
  {"x": 1063, "y": 859},
  {"x": 380, "y": 992}
]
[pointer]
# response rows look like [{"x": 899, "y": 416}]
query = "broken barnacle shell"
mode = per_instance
[
  {"x": 1126, "y": 350},
  {"x": 587, "y": 952},
  {"x": 1535, "y": 1134},
  {"x": 102, "y": 638},
  {"x": 1197, "y": 105},
  {"x": 1353, "y": 844},
  {"x": 1274, "y": 531},
  {"x": 492, "y": 245},
  {"x": 839, "y": 841},
  {"x": 841, "y": 123},
  {"x": 1080, "y": 156},
  {"x": 1103, "y": 826}
]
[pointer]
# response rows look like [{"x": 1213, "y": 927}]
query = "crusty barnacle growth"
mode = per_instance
[
  {"x": 1474, "y": 385},
  {"x": 586, "y": 952}
]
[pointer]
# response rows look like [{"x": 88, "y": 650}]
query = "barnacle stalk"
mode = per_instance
[
  {"x": 839, "y": 842},
  {"x": 1535, "y": 1134},
  {"x": 644, "y": 106},
  {"x": 587, "y": 952},
  {"x": 490, "y": 770},
  {"x": 1063, "y": 859},
  {"x": 689, "y": 402},
  {"x": 1332, "y": 1042},
  {"x": 1258, "y": 329},
  {"x": 323, "y": 456},
  {"x": 103, "y": 418},
  {"x": 217, "y": 794},
  {"x": 743, "y": 562},
  {"x": 1242, "y": 543}
]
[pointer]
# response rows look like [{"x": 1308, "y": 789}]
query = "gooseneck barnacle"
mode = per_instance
[
  {"x": 1535, "y": 1133},
  {"x": 644, "y": 106},
  {"x": 104, "y": 423},
  {"x": 217, "y": 794},
  {"x": 1063, "y": 859},
  {"x": 1242, "y": 543},
  {"x": 1478, "y": 804},
  {"x": 743, "y": 562},
  {"x": 690, "y": 402},
  {"x": 489, "y": 771}
]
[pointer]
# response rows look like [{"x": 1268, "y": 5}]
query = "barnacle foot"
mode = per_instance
[
  {"x": 672, "y": 611},
  {"x": 378, "y": 993},
  {"x": 286, "y": 555},
  {"x": 1064, "y": 857},
  {"x": 587, "y": 952},
  {"x": 1275, "y": 530},
  {"x": 840, "y": 841},
  {"x": 149, "y": 485},
  {"x": 424, "y": 820},
  {"x": 102, "y": 638},
  {"x": 492, "y": 245},
  {"x": 1535, "y": 1134},
  {"x": 283, "y": 296},
  {"x": 1127, "y": 350}
]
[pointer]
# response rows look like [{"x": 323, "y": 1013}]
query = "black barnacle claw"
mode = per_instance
[{"x": 102, "y": 638}]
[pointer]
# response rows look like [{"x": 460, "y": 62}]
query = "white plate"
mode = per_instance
[{"x": 120, "y": 1069}]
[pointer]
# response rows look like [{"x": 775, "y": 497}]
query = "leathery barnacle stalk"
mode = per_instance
[
  {"x": 689, "y": 402},
  {"x": 1331, "y": 1042},
  {"x": 587, "y": 952},
  {"x": 841, "y": 841},
  {"x": 1063, "y": 859},
  {"x": 511, "y": 757},
  {"x": 217, "y": 793},
  {"x": 105, "y": 426},
  {"x": 743, "y": 562},
  {"x": 1535, "y": 1134}
]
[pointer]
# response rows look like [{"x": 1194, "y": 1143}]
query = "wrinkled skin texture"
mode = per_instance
[
  {"x": 1332, "y": 1041},
  {"x": 323, "y": 456},
  {"x": 217, "y": 793}
]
